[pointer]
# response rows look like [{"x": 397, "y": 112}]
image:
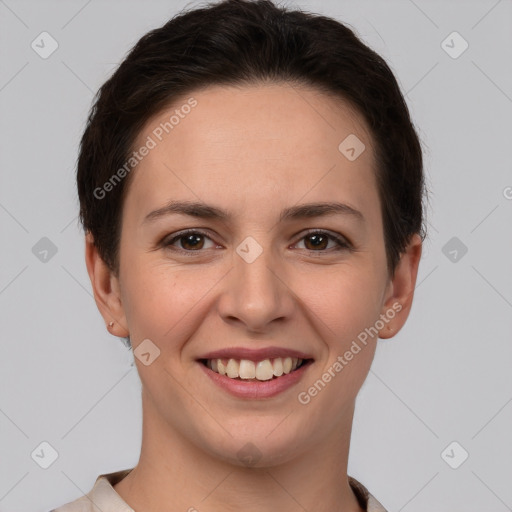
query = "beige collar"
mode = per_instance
[{"x": 104, "y": 498}]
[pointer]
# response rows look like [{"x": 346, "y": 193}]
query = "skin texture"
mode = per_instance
[{"x": 253, "y": 151}]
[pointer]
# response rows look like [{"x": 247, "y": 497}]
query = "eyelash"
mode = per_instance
[{"x": 343, "y": 244}]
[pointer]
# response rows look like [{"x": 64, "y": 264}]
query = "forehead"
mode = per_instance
[{"x": 255, "y": 143}]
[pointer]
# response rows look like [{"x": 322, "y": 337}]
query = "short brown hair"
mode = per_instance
[{"x": 244, "y": 42}]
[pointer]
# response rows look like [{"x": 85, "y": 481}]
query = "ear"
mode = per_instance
[
  {"x": 400, "y": 289},
  {"x": 106, "y": 290}
]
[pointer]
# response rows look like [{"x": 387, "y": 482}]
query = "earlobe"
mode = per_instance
[
  {"x": 106, "y": 290},
  {"x": 398, "y": 302}
]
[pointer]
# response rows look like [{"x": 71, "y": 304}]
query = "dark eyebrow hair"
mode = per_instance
[{"x": 205, "y": 211}]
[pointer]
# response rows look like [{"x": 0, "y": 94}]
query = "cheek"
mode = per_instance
[
  {"x": 342, "y": 310},
  {"x": 345, "y": 306},
  {"x": 162, "y": 299},
  {"x": 344, "y": 301}
]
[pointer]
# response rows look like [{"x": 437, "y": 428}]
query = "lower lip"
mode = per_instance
[{"x": 253, "y": 388}]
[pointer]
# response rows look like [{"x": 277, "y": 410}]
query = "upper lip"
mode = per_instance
[{"x": 255, "y": 354}]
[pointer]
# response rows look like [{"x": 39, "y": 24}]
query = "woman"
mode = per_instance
[{"x": 251, "y": 189}]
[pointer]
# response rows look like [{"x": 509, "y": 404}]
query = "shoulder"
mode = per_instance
[
  {"x": 367, "y": 501},
  {"x": 101, "y": 498},
  {"x": 82, "y": 504}
]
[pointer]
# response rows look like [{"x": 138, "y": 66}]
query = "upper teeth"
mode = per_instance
[{"x": 246, "y": 369}]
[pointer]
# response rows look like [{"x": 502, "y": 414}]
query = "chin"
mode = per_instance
[{"x": 270, "y": 444}]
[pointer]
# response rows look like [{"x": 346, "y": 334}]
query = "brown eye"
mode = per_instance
[
  {"x": 188, "y": 241},
  {"x": 318, "y": 241},
  {"x": 192, "y": 242}
]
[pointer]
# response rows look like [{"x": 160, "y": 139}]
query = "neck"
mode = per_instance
[{"x": 176, "y": 473}]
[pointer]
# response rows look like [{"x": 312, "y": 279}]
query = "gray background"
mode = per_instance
[{"x": 445, "y": 377}]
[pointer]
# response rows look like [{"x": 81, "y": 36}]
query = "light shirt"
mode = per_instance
[{"x": 104, "y": 498}]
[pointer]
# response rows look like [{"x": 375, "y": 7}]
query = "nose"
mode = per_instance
[{"x": 256, "y": 293}]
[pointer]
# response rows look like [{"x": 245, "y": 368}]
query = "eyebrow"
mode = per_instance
[{"x": 205, "y": 211}]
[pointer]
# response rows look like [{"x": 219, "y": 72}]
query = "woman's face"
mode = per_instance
[{"x": 269, "y": 274}]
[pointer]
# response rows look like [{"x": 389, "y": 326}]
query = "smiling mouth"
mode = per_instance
[{"x": 247, "y": 370}]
